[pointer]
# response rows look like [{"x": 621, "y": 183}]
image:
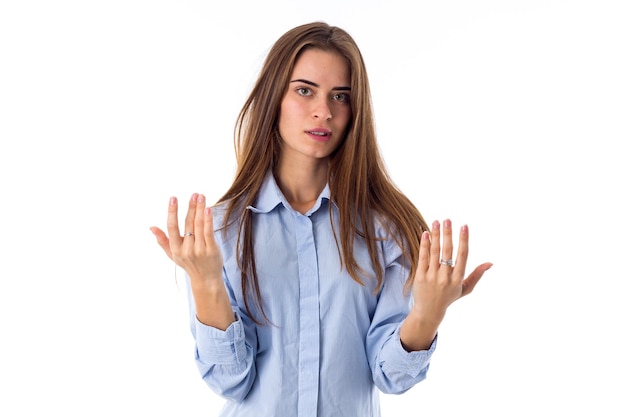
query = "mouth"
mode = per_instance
[{"x": 321, "y": 135}]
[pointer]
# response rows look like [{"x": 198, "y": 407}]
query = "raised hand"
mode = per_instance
[
  {"x": 197, "y": 252},
  {"x": 438, "y": 283}
]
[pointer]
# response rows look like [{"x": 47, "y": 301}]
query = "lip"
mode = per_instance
[{"x": 319, "y": 135}]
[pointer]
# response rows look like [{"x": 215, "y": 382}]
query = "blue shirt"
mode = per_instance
[{"x": 332, "y": 343}]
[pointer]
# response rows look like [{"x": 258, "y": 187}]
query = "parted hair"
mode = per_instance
[{"x": 359, "y": 183}]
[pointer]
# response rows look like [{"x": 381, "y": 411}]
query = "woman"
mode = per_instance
[{"x": 314, "y": 282}]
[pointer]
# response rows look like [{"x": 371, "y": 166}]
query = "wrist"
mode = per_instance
[{"x": 419, "y": 331}]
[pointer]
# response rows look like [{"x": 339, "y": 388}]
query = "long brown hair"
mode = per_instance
[{"x": 359, "y": 183}]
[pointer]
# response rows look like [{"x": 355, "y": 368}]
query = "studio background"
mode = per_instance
[{"x": 505, "y": 115}]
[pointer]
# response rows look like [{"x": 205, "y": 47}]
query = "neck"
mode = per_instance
[{"x": 301, "y": 184}]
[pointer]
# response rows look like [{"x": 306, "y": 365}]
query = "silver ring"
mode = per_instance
[
  {"x": 188, "y": 234},
  {"x": 447, "y": 262}
]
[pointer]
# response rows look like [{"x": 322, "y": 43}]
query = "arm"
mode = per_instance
[
  {"x": 223, "y": 354},
  {"x": 225, "y": 358},
  {"x": 394, "y": 370},
  {"x": 402, "y": 337}
]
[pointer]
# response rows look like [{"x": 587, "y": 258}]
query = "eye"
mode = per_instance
[
  {"x": 304, "y": 91},
  {"x": 341, "y": 97}
]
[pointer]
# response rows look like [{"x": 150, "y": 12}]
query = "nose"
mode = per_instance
[{"x": 322, "y": 110}]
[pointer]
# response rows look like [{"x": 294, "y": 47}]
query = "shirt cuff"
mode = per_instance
[
  {"x": 221, "y": 347},
  {"x": 397, "y": 359}
]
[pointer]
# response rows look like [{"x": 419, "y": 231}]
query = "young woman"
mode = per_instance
[{"x": 314, "y": 282}]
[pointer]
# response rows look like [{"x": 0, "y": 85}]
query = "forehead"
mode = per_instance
[{"x": 319, "y": 66}]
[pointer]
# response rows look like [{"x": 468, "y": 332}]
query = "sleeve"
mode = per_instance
[
  {"x": 225, "y": 358},
  {"x": 394, "y": 370}
]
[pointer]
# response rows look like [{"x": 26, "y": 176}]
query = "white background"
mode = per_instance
[{"x": 506, "y": 115}]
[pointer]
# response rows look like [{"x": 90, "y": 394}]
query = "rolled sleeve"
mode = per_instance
[
  {"x": 395, "y": 370},
  {"x": 224, "y": 359},
  {"x": 396, "y": 360},
  {"x": 221, "y": 347}
]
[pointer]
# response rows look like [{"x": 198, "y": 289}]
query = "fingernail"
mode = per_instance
[
  {"x": 200, "y": 198},
  {"x": 447, "y": 223},
  {"x": 172, "y": 201},
  {"x": 436, "y": 225}
]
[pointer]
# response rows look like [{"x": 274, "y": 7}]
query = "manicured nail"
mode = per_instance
[
  {"x": 200, "y": 198},
  {"x": 172, "y": 201},
  {"x": 447, "y": 223},
  {"x": 436, "y": 225}
]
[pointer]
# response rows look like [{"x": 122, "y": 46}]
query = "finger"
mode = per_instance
[
  {"x": 462, "y": 251},
  {"x": 191, "y": 213},
  {"x": 472, "y": 279},
  {"x": 162, "y": 240},
  {"x": 435, "y": 244},
  {"x": 199, "y": 218},
  {"x": 172, "y": 222},
  {"x": 422, "y": 263},
  {"x": 447, "y": 247}
]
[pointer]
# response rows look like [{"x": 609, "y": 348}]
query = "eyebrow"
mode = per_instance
[{"x": 300, "y": 80}]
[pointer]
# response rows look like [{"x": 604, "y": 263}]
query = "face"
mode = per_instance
[{"x": 315, "y": 111}]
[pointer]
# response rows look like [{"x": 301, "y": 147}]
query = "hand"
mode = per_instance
[
  {"x": 196, "y": 251},
  {"x": 438, "y": 284}
]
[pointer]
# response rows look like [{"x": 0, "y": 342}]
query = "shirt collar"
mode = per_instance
[{"x": 270, "y": 196}]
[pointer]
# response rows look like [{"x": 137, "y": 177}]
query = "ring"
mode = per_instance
[
  {"x": 447, "y": 262},
  {"x": 188, "y": 234}
]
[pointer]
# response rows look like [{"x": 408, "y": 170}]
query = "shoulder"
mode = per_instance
[
  {"x": 388, "y": 237},
  {"x": 226, "y": 226}
]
